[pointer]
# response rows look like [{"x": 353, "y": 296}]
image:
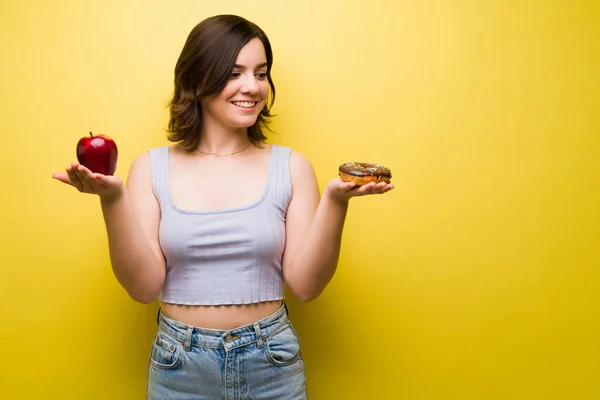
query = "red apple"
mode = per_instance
[{"x": 98, "y": 153}]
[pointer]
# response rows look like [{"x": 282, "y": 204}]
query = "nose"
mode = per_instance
[{"x": 250, "y": 85}]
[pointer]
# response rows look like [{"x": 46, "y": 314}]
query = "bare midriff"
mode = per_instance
[{"x": 222, "y": 317}]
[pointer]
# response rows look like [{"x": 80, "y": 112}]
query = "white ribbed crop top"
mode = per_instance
[{"x": 224, "y": 256}]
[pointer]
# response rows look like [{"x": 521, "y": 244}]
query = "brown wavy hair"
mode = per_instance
[{"x": 204, "y": 68}]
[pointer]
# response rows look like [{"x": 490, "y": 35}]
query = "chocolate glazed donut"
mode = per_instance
[{"x": 363, "y": 173}]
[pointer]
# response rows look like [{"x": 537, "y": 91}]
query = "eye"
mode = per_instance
[
  {"x": 261, "y": 76},
  {"x": 235, "y": 75}
]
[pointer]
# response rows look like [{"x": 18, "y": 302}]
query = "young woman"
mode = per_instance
[{"x": 217, "y": 224}]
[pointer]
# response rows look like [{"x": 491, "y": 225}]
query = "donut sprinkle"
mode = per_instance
[{"x": 365, "y": 169}]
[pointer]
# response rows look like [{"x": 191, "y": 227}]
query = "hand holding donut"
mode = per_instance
[{"x": 360, "y": 179}]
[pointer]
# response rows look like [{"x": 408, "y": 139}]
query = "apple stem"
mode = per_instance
[{"x": 91, "y": 134}]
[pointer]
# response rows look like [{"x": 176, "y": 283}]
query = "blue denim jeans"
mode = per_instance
[{"x": 258, "y": 361}]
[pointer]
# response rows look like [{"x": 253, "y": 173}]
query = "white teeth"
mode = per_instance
[{"x": 245, "y": 104}]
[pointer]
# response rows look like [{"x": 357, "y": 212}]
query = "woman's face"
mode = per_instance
[{"x": 241, "y": 101}]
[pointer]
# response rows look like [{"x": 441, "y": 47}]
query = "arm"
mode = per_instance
[
  {"x": 132, "y": 222},
  {"x": 314, "y": 228},
  {"x": 131, "y": 215}
]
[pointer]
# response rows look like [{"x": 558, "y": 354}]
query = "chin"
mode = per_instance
[{"x": 244, "y": 124}]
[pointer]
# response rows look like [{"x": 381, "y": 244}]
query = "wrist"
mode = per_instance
[
  {"x": 107, "y": 199},
  {"x": 335, "y": 197}
]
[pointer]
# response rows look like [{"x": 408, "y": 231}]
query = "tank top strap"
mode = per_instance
[
  {"x": 159, "y": 158},
  {"x": 280, "y": 186}
]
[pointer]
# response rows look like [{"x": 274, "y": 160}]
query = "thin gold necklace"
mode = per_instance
[{"x": 223, "y": 154}]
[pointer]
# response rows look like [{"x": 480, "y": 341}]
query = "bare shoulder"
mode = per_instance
[
  {"x": 139, "y": 184},
  {"x": 300, "y": 167},
  {"x": 141, "y": 161},
  {"x": 140, "y": 169}
]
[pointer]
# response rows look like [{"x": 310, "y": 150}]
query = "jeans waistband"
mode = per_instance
[{"x": 226, "y": 339}]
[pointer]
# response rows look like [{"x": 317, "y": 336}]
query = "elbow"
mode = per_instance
[
  {"x": 306, "y": 299},
  {"x": 306, "y": 286},
  {"x": 144, "y": 300},
  {"x": 306, "y": 295},
  {"x": 143, "y": 291},
  {"x": 305, "y": 290},
  {"x": 143, "y": 297}
]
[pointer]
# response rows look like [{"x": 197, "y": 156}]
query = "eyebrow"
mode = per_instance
[{"x": 259, "y": 66}]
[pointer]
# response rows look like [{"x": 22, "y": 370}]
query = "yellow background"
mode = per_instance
[{"x": 477, "y": 278}]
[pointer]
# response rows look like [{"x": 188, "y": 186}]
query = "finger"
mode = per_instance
[
  {"x": 341, "y": 185},
  {"x": 381, "y": 187},
  {"x": 87, "y": 178},
  {"x": 348, "y": 185},
  {"x": 364, "y": 189},
  {"x": 101, "y": 179},
  {"x": 373, "y": 188},
  {"x": 83, "y": 184},
  {"x": 74, "y": 178},
  {"x": 63, "y": 177}
]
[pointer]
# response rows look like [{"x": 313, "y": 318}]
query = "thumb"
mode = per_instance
[
  {"x": 107, "y": 180},
  {"x": 346, "y": 186},
  {"x": 63, "y": 177}
]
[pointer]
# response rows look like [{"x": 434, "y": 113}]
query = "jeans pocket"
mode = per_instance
[
  {"x": 283, "y": 347},
  {"x": 166, "y": 352}
]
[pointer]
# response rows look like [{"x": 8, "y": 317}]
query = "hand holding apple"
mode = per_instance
[
  {"x": 98, "y": 153},
  {"x": 108, "y": 187},
  {"x": 93, "y": 174}
]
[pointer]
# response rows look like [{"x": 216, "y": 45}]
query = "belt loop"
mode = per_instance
[
  {"x": 259, "y": 339},
  {"x": 188, "y": 339}
]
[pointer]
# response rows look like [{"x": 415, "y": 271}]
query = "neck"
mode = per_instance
[
  {"x": 217, "y": 140},
  {"x": 223, "y": 147},
  {"x": 225, "y": 153}
]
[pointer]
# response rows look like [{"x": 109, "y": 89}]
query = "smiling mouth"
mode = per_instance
[{"x": 244, "y": 104}]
